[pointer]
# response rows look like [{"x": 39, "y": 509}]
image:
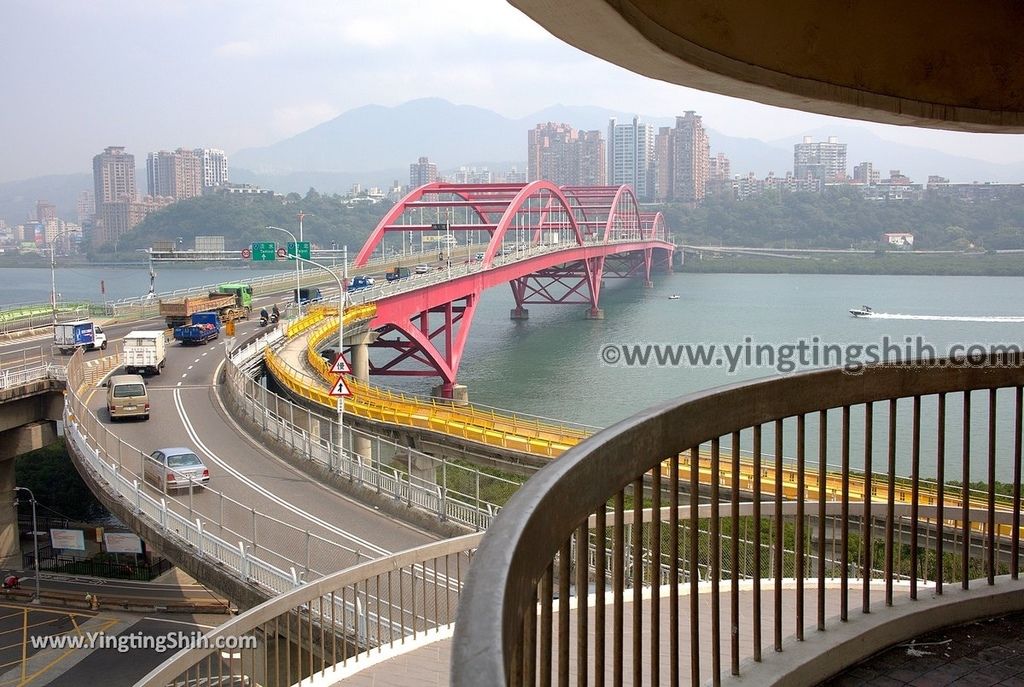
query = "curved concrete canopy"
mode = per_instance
[{"x": 944, "y": 64}]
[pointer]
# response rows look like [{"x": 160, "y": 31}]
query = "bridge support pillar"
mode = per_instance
[
  {"x": 360, "y": 343},
  {"x": 595, "y": 314},
  {"x": 519, "y": 314},
  {"x": 458, "y": 394},
  {"x": 10, "y": 546}
]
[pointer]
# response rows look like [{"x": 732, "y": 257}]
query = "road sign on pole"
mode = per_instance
[
  {"x": 341, "y": 388},
  {"x": 263, "y": 250},
  {"x": 340, "y": 365},
  {"x": 303, "y": 250}
]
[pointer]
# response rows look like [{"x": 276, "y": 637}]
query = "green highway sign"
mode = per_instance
[
  {"x": 263, "y": 250},
  {"x": 303, "y": 250}
]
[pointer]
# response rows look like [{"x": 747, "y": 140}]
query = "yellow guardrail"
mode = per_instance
[
  {"x": 470, "y": 416},
  {"x": 526, "y": 435},
  {"x": 315, "y": 315},
  {"x": 902, "y": 492}
]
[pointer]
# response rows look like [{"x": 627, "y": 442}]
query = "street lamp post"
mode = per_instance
[
  {"x": 298, "y": 297},
  {"x": 53, "y": 275},
  {"x": 35, "y": 539},
  {"x": 341, "y": 328},
  {"x": 301, "y": 215}
]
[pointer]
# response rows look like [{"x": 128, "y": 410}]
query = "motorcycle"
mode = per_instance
[
  {"x": 263, "y": 321},
  {"x": 274, "y": 317}
]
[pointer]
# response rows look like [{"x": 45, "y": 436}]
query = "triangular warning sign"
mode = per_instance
[
  {"x": 341, "y": 388},
  {"x": 340, "y": 366}
]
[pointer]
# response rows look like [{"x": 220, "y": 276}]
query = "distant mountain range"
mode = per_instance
[{"x": 374, "y": 145}]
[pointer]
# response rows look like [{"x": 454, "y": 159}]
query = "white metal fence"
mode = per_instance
[
  {"x": 450, "y": 490},
  {"x": 260, "y": 549}
]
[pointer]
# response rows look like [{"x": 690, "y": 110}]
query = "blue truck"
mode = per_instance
[
  {"x": 204, "y": 327},
  {"x": 360, "y": 282}
]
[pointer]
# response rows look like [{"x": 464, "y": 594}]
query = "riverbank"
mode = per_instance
[{"x": 955, "y": 264}]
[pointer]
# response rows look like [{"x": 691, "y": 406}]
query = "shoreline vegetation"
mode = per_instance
[{"x": 968, "y": 264}]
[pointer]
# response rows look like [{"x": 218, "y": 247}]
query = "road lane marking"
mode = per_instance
[
  {"x": 64, "y": 655},
  {"x": 191, "y": 431},
  {"x": 24, "y": 646},
  {"x": 179, "y": 622}
]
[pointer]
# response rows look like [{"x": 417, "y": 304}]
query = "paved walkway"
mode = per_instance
[
  {"x": 429, "y": 665},
  {"x": 979, "y": 654}
]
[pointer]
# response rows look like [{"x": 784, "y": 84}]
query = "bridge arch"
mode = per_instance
[{"x": 424, "y": 335}]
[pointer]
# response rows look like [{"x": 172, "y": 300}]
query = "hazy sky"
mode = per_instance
[{"x": 79, "y": 75}]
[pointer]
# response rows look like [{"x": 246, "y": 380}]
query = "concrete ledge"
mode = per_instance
[
  {"x": 823, "y": 654},
  {"x": 70, "y": 599}
]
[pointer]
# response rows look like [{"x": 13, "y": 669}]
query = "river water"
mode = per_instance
[{"x": 556, "y": 363}]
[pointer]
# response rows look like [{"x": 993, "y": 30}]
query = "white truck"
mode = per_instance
[
  {"x": 67, "y": 336},
  {"x": 144, "y": 352}
]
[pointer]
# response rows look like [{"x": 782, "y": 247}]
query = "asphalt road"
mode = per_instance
[
  {"x": 186, "y": 411},
  {"x": 119, "y": 659}
]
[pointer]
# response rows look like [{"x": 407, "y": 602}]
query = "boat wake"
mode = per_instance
[{"x": 945, "y": 318}]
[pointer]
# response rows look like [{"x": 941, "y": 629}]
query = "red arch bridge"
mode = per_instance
[{"x": 550, "y": 244}]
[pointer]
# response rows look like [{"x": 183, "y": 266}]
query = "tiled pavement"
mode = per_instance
[{"x": 979, "y": 654}]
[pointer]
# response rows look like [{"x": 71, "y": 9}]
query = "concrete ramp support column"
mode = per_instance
[
  {"x": 360, "y": 344},
  {"x": 10, "y": 546}
]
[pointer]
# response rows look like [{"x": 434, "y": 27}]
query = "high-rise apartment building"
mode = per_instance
[
  {"x": 214, "y": 164},
  {"x": 719, "y": 175},
  {"x": 472, "y": 175},
  {"x": 565, "y": 156},
  {"x": 45, "y": 211},
  {"x": 177, "y": 175},
  {"x": 422, "y": 172},
  {"x": 682, "y": 160},
  {"x": 718, "y": 167},
  {"x": 85, "y": 206},
  {"x": 113, "y": 176},
  {"x": 824, "y": 161},
  {"x": 631, "y": 157},
  {"x": 865, "y": 173},
  {"x": 593, "y": 159}
]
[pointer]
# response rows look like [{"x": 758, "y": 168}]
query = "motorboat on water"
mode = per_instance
[
  {"x": 674, "y": 297},
  {"x": 862, "y": 311}
]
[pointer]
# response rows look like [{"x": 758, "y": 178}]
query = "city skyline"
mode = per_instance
[{"x": 252, "y": 75}]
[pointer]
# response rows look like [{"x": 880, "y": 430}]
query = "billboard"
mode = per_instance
[
  {"x": 122, "y": 542},
  {"x": 67, "y": 539}
]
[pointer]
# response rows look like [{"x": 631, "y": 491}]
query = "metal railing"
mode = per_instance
[
  {"x": 649, "y": 622},
  {"x": 19, "y": 318},
  {"x": 259, "y": 549},
  {"x": 450, "y": 490},
  {"x": 13, "y": 378},
  {"x": 329, "y": 628},
  {"x": 265, "y": 283}
]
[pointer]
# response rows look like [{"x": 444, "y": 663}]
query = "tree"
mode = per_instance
[{"x": 57, "y": 486}]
